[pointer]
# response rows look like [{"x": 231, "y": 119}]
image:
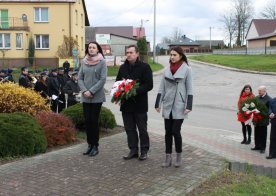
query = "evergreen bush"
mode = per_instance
[
  {"x": 75, "y": 112},
  {"x": 20, "y": 134}
]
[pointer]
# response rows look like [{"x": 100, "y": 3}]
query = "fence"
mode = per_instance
[{"x": 250, "y": 51}]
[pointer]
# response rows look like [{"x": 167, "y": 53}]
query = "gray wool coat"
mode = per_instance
[
  {"x": 174, "y": 92},
  {"x": 93, "y": 78}
]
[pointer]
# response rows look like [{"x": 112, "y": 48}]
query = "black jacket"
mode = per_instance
[
  {"x": 24, "y": 81},
  {"x": 71, "y": 87},
  {"x": 42, "y": 89},
  {"x": 266, "y": 99},
  {"x": 142, "y": 73}
]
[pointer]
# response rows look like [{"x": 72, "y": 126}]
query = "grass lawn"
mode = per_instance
[
  {"x": 112, "y": 71},
  {"x": 242, "y": 184},
  {"x": 264, "y": 63}
]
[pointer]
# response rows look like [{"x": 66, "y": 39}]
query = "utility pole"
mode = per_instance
[
  {"x": 211, "y": 37},
  {"x": 154, "y": 31}
]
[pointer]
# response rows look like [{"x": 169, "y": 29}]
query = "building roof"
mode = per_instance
[
  {"x": 125, "y": 31},
  {"x": 264, "y": 36},
  {"x": 184, "y": 41},
  {"x": 163, "y": 45},
  {"x": 263, "y": 26},
  {"x": 206, "y": 43}
]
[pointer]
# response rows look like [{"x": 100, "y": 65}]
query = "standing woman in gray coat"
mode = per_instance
[
  {"x": 91, "y": 80},
  {"x": 176, "y": 97}
]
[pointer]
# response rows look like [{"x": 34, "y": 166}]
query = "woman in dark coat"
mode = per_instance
[{"x": 41, "y": 86}]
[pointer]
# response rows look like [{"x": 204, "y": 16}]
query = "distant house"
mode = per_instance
[
  {"x": 114, "y": 39},
  {"x": 187, "y": 44},
  {"x": 261, "y": 33},
  {"x": 162, "y": 48},
  {"x": 215, "y": 44}
]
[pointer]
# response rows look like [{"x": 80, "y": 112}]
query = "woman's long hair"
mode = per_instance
[
  {"x": 180, "y": 51},
  {"x": 98, "y": 47},
  {"x": 246, "y": 86}
]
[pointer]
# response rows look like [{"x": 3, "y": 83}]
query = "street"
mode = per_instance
[{"x": 212, "y": 124}]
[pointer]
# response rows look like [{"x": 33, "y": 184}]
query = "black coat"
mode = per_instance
[
  {"x": 266, "y": 99},
  {"x": 54, "y": 86},
  {"x": 71, "y": 87},
  {"x": 42, "y": 89},
  {"x": 25, "y": 81},
  {"x": 142, "y": 73}
]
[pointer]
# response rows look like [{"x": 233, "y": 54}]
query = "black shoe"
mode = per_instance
[
  {"x": 262, "y": 151},
  {"x": 89, "y": 148},
  {"x": 243, "y": 141},
  {"x": 143, "y": 156},
  {"x": 131, "y": 155},
  {"x": 255, "y": 148},
  {"x": 248, "y": 141},
  {"x": 270, "y": 157},
  {"x": 94, "y": 151}
]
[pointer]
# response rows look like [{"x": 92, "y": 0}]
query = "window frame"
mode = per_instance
[
  {"x": 2, "y": 37},
  {"x": 41, "y": 42},
  {"x": 40, "y": 15}
]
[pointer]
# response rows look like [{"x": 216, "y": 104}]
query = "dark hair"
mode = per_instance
[
  {"x": 246, "y": 86},
  {"x": 24, "y": 69},
  {"x": 98, "y": 47},
  {"x": 180, "y": 51},
  {"x": 133, "y": 46}
]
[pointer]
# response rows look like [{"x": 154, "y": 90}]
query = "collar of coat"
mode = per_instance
[{"x": 179, "y": 74}]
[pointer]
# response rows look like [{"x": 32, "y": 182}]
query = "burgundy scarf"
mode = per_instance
[
  {"x": 175, "y": 66},
  {"x": 93, "y": 60}
]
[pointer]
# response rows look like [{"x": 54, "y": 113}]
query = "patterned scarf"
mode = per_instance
[{"x": 92, "y": 60}]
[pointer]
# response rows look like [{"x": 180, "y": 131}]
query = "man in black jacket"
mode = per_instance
[
  {"x": 260, "y": 132},
  {"x": 72, "y": 89},
  {"x": 134, "y": 111},
  {"x": 24, "y": 79}
]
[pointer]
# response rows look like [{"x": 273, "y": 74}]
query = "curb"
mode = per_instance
[
  {"x": 233, "y": 69},
  {"x": 256, "y": 169}
]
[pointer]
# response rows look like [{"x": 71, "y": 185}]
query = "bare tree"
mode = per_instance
[
  {"x": 229, "y": 25},
  {"x": 269, "y": 11},
  {"x": 166, "y": 40},
  {"x": 176, "y": 34},
  {"x": 243, "y": 13}
]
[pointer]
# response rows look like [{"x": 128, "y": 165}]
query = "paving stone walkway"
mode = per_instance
[{"x": 68, "y": 172}]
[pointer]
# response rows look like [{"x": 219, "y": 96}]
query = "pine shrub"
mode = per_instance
[
  {"x": 75, "y": 112},
  {"x": 59, "y": 129},
  {"x": 14, "y": 98},
  {"x": 20, "y": 134}
]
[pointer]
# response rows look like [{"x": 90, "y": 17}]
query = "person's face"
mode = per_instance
[
  {"x": 75, "y": 77},
  {"x": 92, "y": 49},
  {"x": 2, "y": 74},
  {"x": 44, "y": 78},
  {"x": 261, "y": 91},
  {"x": 26, "y": 71},
  {"x": 131, "y": 54},
  {"x": 174, "y": 56},
  {"x": 247, "y": 91}
]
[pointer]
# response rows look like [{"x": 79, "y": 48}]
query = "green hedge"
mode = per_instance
[
  {"x": 75, "y": 112},
  {"x": 20, "y": 134}
]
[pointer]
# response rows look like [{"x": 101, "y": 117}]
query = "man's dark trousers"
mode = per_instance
[
  {"x": 132, "y": 121},
  {"x": 260, "y": 135}
]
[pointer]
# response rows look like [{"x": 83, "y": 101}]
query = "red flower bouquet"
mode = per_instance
[
  {"x": 253, "y": 110},
  {"x": 123, "y": 90}
]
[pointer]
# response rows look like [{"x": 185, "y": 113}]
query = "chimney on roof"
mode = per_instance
[{"x": 184, "y": 36}]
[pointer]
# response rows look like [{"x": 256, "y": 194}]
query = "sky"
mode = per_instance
[{"x": 194, "y": 18}]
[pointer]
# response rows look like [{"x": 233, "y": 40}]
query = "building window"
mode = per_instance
[
  {"x": 82, "y": 43},
  {"x": 41, "y": 14},
  {"x": 82, "y": 21},
  {"x": 272, "y": 42},
  {"x": 18, "y": 40},
  {"x": 5, "y": 40},
  {"x": 4, "y": 19},
  {"x": 77, "y": 17},
  {"x": 42, "y": 41}
]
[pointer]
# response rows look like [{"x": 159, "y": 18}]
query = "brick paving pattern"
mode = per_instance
[{"x": 68, "y": 172}]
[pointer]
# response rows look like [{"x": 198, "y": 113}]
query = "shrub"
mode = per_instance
[
  {"x": 15, "y": 98},
  {"x": 59, "y": 129},
  {"x": 20, "y": 134},
  {"x": 75, "y": 112}
]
